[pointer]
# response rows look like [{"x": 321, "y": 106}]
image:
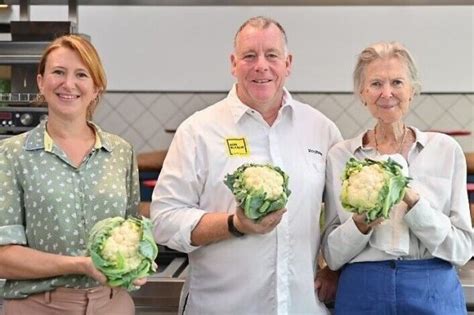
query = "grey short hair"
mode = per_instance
[
  {"x": 383, "y": 50},
  {"x": 262, "y": 22}
]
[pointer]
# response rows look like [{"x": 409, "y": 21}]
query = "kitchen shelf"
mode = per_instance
[{"x": 21, "y": 98}]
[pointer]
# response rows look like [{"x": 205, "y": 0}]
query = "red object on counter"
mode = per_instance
[
  {"x": 150, "y": 183},
  {"x": 453, "y": 132},
  {"x": 470, "y": 187}
]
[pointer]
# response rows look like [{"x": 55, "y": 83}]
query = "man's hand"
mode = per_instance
[
  {"x": 326, "y": 284},
  {"x": 260, "y": 226}
]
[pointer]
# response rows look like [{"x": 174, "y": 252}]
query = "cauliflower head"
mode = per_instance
[
  {"x": 372, "y": 187},
  {"x": 123, "y": 249},
  {"x": 123, "y": 241},
  {"x": 259, "y": 188},
  {"x": 264, "y": 178}
]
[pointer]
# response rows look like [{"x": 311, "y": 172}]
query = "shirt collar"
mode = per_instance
[
  {"x": 421, "y": 137},
  {"x": 38, "y": 138},
  {"x": 357, "y": 142},
  {"x": 238, "y": 109}
]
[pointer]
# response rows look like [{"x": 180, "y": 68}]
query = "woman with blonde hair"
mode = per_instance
[{"x": 57, "y": 181}]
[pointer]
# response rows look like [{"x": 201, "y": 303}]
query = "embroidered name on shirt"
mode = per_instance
[
  {"x": 237, "y": 147},
  {"x": 315, "y": 151}
]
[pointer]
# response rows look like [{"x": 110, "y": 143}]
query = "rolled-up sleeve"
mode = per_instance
[
  {"x": 446, "y": 234},
  {"x": 175, "y": 201},
  {"x": 12, "y": 229}
]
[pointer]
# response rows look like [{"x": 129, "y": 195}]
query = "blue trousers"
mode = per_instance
[{"x": 404, "y": 287}]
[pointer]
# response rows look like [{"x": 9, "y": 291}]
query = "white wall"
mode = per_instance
[{"x": 187, "y": 48}]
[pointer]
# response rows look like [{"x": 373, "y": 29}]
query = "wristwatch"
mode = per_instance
[{"x": 231, "y": 227}]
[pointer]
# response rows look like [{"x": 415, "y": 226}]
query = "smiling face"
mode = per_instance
[
  {"x": 66, "y": 84},
  {"x": 387, "y": 89},
  {"x": 260, "y": 64}
]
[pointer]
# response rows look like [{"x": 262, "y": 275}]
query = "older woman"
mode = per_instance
[
  {"x": 56, "y": 182},
  {"x": 403, "y": 265}
]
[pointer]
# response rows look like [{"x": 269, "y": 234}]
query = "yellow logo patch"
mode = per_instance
[{"x": 237, "y": 147}]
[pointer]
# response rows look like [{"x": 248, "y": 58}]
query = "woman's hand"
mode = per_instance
[
  {"x": 139, "y": 282},
  {"x": 362, "y": 225},
  {"x": 411, "y": 197},
  {"x": 90, "y": 270}
]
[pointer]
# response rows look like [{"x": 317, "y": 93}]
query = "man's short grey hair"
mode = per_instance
[
  {"x": 382, "y": 50},
  {"x": 262, "y": 22}
]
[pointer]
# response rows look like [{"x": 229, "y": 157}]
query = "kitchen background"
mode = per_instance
[
  {"x": 143, "y": 118},
  {"x": 165, "y": 62}
]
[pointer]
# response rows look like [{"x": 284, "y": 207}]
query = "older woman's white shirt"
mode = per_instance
[{"x": 439, "y": 223}]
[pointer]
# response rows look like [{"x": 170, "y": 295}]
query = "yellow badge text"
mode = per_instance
[{"x": 237, "y": 147}]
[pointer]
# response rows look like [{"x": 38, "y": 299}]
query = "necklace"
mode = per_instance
[{"x": 400, "y": 147}]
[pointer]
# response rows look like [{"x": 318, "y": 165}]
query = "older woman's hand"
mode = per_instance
[
  {"x": 411, "y": 197},
  {"x": 362, "y": 225}
]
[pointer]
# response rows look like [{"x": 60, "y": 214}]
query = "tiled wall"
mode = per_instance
[{"x": 142, "y": 118}]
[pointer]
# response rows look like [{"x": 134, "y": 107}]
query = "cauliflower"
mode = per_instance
[
  {"x": 261, "y": 177},
  {"x": 259, "y": 189},
  {"x": 123, "y": 249},
  {"x": 123, "y": 240},
  {"x": 372, "y": 187}
]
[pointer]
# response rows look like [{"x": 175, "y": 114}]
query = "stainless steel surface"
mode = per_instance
[
  {"x": 17, "y": 98},
  {"x": 466, "y": 275},
  {"x": 72, "y": 7},
  {"x": 24, "y": 10},
  {"x": 250, "y": 2},
  {"x": 162, "y": 291},
  {"x": 21, "y": 52},
  {"x": 73, "y": 14}
]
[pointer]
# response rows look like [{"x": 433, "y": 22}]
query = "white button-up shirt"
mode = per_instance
[
  {"x": 439, "y": 223},
  {"x": 256, "y": 274}
]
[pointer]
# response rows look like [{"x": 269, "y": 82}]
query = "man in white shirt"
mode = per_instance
[{"x": 237, "y": 265}]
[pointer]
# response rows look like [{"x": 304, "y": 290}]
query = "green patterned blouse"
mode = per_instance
[{"x": 50, "y": 205}]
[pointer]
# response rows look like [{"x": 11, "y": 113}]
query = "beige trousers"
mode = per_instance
[{"x": 64, "y": 301}]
